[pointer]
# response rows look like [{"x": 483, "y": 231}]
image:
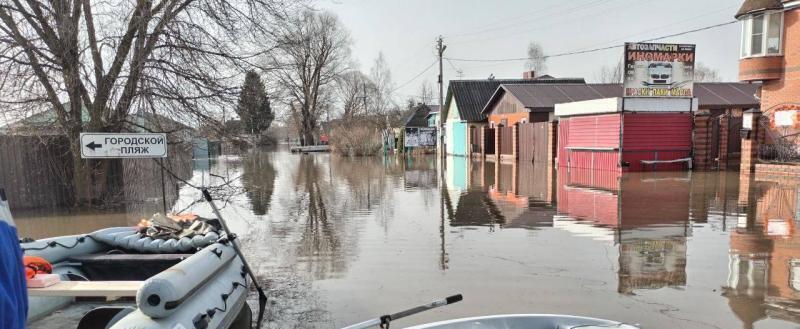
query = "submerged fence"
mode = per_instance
[{"x": 36, "y": 172}]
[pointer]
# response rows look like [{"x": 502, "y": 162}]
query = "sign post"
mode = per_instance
[{"x": 127, "y": 146}]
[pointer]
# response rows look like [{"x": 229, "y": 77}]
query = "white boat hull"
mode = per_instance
[{"x": 526, "y": 321}]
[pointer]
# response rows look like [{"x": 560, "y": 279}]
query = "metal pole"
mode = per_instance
[
  {"x": 163, "y": 193},
  {"x": 383, "y": 321},
  {"x": 440, "y": 47},
  {"x": 262, "y": 297}
]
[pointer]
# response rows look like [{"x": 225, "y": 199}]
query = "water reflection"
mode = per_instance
[
  {"x": 259, "y": 181},
  {"x": 342, "y": 239},
  {"x": 764, "y": 265}
]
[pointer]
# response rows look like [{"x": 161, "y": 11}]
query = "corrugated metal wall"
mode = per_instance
[
  {"x": 594, "y": 131},
  {"x": 656, "y": 136},
  {"x": 595, "y": 160},
  {"x": 646, "y": 136}
]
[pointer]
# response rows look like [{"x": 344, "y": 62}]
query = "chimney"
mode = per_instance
[{"x": 529, "y": 75}]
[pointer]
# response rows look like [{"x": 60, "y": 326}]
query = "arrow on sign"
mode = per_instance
[{"x": 94, "y": 146}]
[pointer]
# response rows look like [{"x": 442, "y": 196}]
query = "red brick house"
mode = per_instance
[{"x": 770, "y": 54}]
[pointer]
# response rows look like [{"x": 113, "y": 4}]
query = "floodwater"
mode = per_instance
[{"x": 341, "y": 240}]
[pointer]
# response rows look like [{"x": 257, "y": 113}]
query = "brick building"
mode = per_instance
[{"x": 770, "y": 54}]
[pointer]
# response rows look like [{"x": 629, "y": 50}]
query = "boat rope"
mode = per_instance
[
  {"x": 53, "y": 244},
  {"x": 201, "y": 320}
]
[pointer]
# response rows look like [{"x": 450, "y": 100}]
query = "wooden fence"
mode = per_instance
[{"x": 35, "y": 171}]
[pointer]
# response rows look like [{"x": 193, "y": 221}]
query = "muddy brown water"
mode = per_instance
[{"x": 340, "y": 240}]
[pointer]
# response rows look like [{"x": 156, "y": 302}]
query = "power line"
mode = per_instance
[
  {"x": 507, "y": 23},
  {"x": 593, "y": 49},
  {"x": 416, "y": 76},
  {"x": 661, "y": 27}
]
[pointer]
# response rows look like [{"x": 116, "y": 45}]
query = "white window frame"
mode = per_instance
[{"x": 746, "y": 37}]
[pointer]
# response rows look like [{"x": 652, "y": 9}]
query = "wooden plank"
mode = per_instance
[{"x": 108, "y": 289}]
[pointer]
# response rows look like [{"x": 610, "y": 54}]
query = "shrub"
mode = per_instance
[{"x": 356, "y": 139}]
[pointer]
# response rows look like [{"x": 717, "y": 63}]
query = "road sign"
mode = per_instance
[{"x": 109, "y": 146}]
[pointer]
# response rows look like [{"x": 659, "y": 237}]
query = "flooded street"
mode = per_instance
[{"x": 341, "y": 240}]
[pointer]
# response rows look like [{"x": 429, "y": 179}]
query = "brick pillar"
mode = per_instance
[
  {"x": 515, "y": 141},
  {"x": 750, "y": 141},
  {"x": 723, "y": 141},
  {"x": 552, "y": 142},
  {"x": 497, "y": 143},
  {"x": 483, "y": 142},
  {"x": 515, "y": 177},
  {"x": 469, "y": 142},
  {"x": 701, "y": 140}
]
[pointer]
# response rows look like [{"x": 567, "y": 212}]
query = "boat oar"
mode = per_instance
[
  {"x": 262, "y": 297},
  {"x": 383, "y": 321}
]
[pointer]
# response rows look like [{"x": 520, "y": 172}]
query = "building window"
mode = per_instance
[
  {"x": 762, "y": 34},
  {"x": 795, "y": 275}
]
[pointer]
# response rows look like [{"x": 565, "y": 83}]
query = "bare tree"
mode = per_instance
[
  {"x": 610, "y": 74},
  {"x": 537, "y": 61},
  {"x": 178, "y": 58},
  {"x": 353, "y": 90},
  {"x": 426, "y": 93},
  {"x": 703, "y": 73},
  {"x": 381, "y": 76},
  {"x": 312, "y": 53}
]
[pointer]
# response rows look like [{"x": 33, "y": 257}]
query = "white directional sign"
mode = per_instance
[{"x": 102, "y": 145}]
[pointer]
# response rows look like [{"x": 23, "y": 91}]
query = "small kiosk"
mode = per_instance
[{"x": 650, "y": 128}]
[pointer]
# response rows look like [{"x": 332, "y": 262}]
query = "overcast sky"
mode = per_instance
[{"x": 405, "y": 31}]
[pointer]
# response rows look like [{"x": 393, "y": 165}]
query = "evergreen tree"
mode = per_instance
[{"x": 253, "y": 108}]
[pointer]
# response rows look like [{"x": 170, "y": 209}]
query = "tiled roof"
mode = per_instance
[
  {"x": 418, "y": 116},
  {"x": 727, "y": 94},
  {"x": 544, "y": 97},
  {"x": 472, "y": 95},
  {"x": 752, "y": 6}
]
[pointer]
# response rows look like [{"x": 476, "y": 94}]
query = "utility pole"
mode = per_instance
[{"x": 440, "y": 47}]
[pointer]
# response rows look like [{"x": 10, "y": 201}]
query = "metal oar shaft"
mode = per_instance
[
  {"x": 262, "y": 296},
  {"x": 408, "y": 312}
]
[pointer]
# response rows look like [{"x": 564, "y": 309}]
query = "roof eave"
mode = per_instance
[{"x": 496, "y": 95}]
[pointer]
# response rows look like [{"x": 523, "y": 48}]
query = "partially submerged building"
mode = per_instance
[
  {"x": 770, "y": 54},
  {"x": 463, "y": 110}
]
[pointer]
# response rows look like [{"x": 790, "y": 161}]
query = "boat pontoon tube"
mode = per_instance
[
  {"x": 215, "y": 305},
  {"x": 133, "y": 240},
  {"x": 162, "y": 294},
  {"x": 59, "y": 249}
]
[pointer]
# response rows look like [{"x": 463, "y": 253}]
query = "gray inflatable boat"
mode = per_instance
[{"x": 116, "y": 278}]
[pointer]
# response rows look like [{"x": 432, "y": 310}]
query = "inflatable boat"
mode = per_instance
[
  {"x": 511, "y": 321},
  {"x": 526, "y": 321},
  {"x": 120, "y": 278}
]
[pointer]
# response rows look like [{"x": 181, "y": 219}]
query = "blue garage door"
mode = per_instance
[{"x": 460, "y": 138}]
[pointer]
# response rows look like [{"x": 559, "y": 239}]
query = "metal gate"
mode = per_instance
[
  {"x": 475, "y": 139},
  {"x": 533, "y": 141},
  {"x": 541, "y": 134},
  {"x": 713, "y": 152},
  {"x": 506, "y": 140},
  {"x": 734, "y": 135},
  {"x": 488, "y": 142},
  {"x": 527, "y": 141},
  {"x": 459, "y": 138}
]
